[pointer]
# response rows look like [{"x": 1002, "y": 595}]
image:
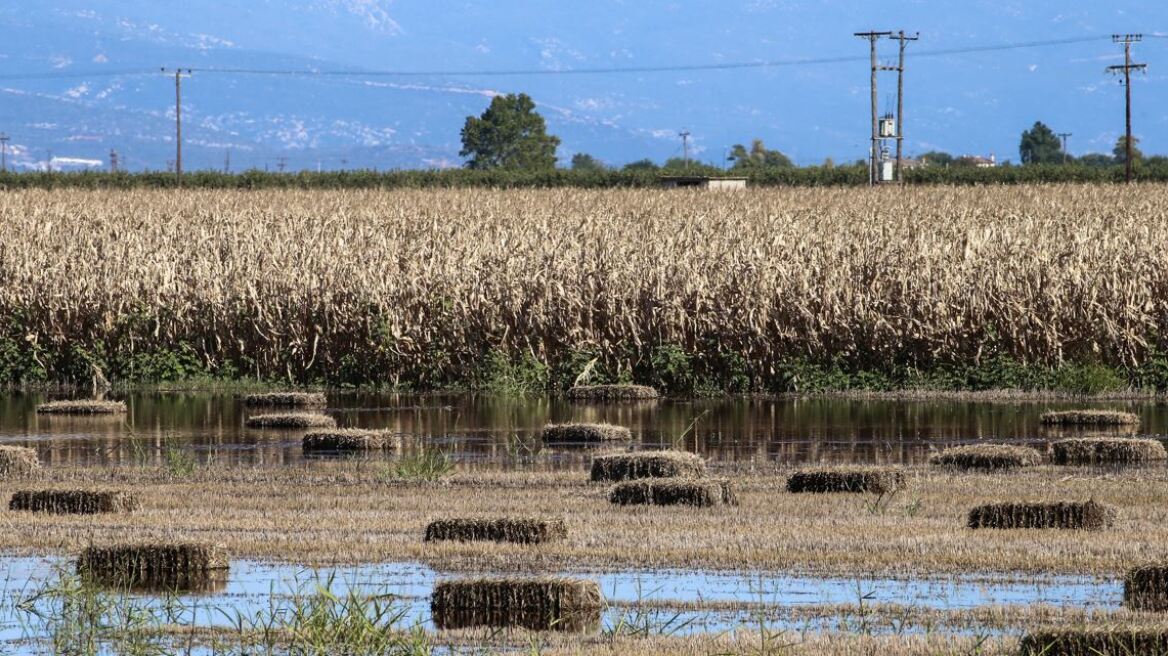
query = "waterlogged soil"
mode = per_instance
[
  {"x": 672, "y": 602},
  {"x": 489, "y": 432}
]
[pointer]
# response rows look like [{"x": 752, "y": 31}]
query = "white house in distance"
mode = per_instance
[{"x": 723, "y": 183}]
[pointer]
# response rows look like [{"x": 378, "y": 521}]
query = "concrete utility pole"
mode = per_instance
[
  {"x": 113, "y": 161},
  {"x": 684, "y": 134},
  {"x": 3, "y": 152},
  {"x": 1064, "y": 136},
  {"x": 903, "y": 39},
  {"x": 227, "y": 162},
  {"x": 1126, "y": 69},
  {"x": 178, "y": 163},
  {"x": 872, "y": 38}
]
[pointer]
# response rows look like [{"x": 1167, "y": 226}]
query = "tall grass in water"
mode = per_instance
[{"x": 266, "y": 284}]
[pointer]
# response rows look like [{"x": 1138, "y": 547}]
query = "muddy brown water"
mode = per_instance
[{"x": 492, "y": 432}]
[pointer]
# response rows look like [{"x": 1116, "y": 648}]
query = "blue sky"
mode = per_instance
[{"x": 965, "y": 103}]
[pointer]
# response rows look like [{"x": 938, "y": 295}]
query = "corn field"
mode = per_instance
[{"x": 421, "y": 286}]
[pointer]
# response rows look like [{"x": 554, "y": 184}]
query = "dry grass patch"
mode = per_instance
[
  {"x": 647, "y": 464},
  {"x": 582, "y": 433},
  {"x": 518, "y": 530},
  {"x": 292, "y": 420},
  {"x": 1107, "y": 450},
  {"x": 1089, "y": 516},
  {"x": 612, "y": 393},
  {"x": 18, "y": 461},
  {"x": 703, "y": 493},
  {"x": 1097, "y": 641},
  {"x": 349, "y": 440},
  {"x": 1146, "y": 588},
  {"x": 853, "y": 480},
  {"x": 285, "y": 400},
  {"x": 1089, "y": 417},
  {"x": 73, "y": 502},
  {"x": 558, "y": 604},
  {"x": 183, "y": 566},
  {"x": 987, "y": 457},
  {"x": 82, "y": 407}
]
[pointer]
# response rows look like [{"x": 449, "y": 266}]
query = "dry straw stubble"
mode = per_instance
[
  {"x": 1089, "y": 516},
  {"x": 73, "y": 502},
  {"x": 508, "y": 529},
  {"x": 18, "y": 461},
  {"x": 542, "y": 604},
  {"x": 987, "y": 457},
  {"x": 647, "y": 464}
]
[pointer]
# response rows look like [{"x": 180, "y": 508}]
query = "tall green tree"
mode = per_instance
[
  {"x": 937, "y": 158},
  {"x": 1040, "y": 145},
  {"x": 510, "y": 134},
  {"x": 586, "y": 162},
  {"x": 1120, "y": 150},
  {"x": 758, "y": 156}
]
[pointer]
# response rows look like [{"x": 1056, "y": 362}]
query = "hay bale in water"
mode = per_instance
[
  {"x": 1097, "y": 641},
  {"x": 823, "y": 481},
  {"x": 581, "y": 433},
  {"x": 285, "y": 400},
  {"x": 1089, "y": 516},
  {"x": 1107, "y": 450},
  {"x": 988, "y": 457},
  {"x": 349, "y": 440},
  {"x": 703, "y": 493},
  {"x": 478, "y": 529},
  {"x": 1089, "y": 418},
  {"x": 1146, "y": 588},
  {"x": 291, "y": 420},
  {"x": 546, "y": 604},
  {"x": 73, "y": 502},
  {"x": 647, "y": 464},
  {"x": 18, "y": 461},
  {"x": 612, "y": 393},
  {"x": 82, "y": 407},
  {"x": 155, "y": 566}
]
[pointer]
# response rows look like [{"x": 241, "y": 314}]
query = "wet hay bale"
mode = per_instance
[
  {"x": 545, "y": 604},
  {"x": 348, "y": 440},
  {"x": 73, "y": 502},
  {"x": 193, "y": 567},
  {"x": 1088, "y": 417},
  {"x": 285, "y": 400},
  {"x": 823, "y": 481},
  {"x": 988, "y": 457},
  {"x": 478, "y": 529},
  {"x": 612, "y": 393},
  {"x": 584, "y": 433},
  {"x": 1089, "y": 516},
  {"x": 82, "y": 407},
  {"x": 1146, "y": 588},
  {"x": 703, "y": 493},
  {"x": 18, "y": 461},
  {"x": 647, "y": 464},
  {"x": 292, "y": 420},
  {"x": 1107, "y": 450},
  {"x": 1097, "y": 641}
]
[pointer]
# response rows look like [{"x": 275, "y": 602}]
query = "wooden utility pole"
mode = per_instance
[
  {"x": 178, "y": 141},
  {"x": 903, "y": 39},
  {"x": 684, "y": 134},
  {"x": 872, "y": 38},
  {"x": 1126, "y": 69},
  {"x": 1064, "y": 136}
]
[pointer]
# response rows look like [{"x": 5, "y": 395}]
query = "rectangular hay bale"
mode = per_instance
[
  {"x": 851, "y": 480},
  {"x": 987, "y": 457},
  {"x": 1146, "y": 588},
  {"x": 702, "y": 493},
  {"x": 291, "y": 420},
  {"x": 1107, "y": 450},
  {"x": 583, "y": 433},
  {"x": 181, "y": 566},
  {"x": 1088, "y": 417},
  {"x": 73, "y": 502},
  {"x": 1097, "y": 641},
  {"x": 349, "y": 440},
  {"x": 612, "y": 393},
  {"x": 1071, "y": 515},
  {"x": 82, "y": 407},
  {"x": 285, "y": 399},
  {"x": 543, "y": 604},
  {"x": 647, "y": 464},
  {"x": 512, "y": 529}
]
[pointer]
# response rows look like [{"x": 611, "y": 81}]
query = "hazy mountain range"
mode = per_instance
[{"x": 81, "y": 77}]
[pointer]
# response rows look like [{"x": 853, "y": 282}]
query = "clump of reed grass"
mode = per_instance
[
  {"x": 612, "y": 393},
  {"x": 1107, "y": 450},
  {"x": 524, "y": 530},
  {"x": 583, "y": 433},
  {"x": 543, "y": 604},
  {"x": 647, "y": 464},
  {"x": 988, "y": 457},
  {"x": 285, "y": 400},
  {"x": 1096, "y": 641},
  {"x": 18, "y": 461},
  {"x": 853, "y": 480},
  {"x": 292, "y": 420},
  {"x": 181, "y": 566},
  {"x": 703, "y": 493},
  {"x": 349, "y": 440},
  {"x": 73, "y": 502},
  {"x": 1089, "y": 417},
  {"x": 82, "y": 407},
  {"x": 1075, "y": 515},
  {"x": 1145, "y": 588}
]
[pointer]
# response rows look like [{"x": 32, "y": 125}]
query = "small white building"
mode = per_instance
[{"x": 703, "y": 182}]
